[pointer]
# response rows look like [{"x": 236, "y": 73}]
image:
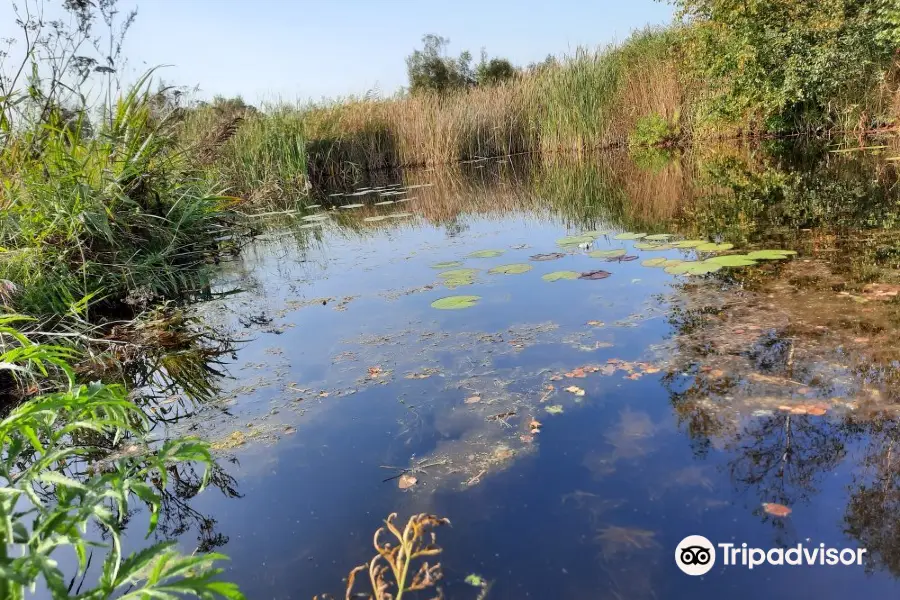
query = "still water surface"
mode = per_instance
[{"x": 668, "y": 405}]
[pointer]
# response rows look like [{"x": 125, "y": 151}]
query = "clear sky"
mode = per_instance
[{"x": 302, "y": 49}]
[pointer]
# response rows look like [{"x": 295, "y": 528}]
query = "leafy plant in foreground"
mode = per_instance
[{"x": 57, "y": 477}]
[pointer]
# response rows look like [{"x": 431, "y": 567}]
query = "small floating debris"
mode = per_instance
[
  {"x": 548, "y": 256},
  {"x": 776, "y": 510}
]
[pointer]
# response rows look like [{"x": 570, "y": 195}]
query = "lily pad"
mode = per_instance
[
  {"x": 654, "y": 262},
  {"x": 374, "y": 219},
  {"x": 732, "y": 260},
  {"x": 672, "y": 262},
  {"x": 574, "y": 240},
  {"x": 353, "y": 206},
  {"x": 607, "y": 253},
  {"x": 595, "y": 234},
  {"x": 659, "y": 236},
  {"x": 448, "y": 264},
  {"x": 693, "y": 268},
  {"x": 598, "y": 274},
  {"x": 689, "y": 243},
  {"x": 645, "y": 246},
  {"x": 486, "y": 253},
  {"x": 457, "y": 277},
  {"x": 770, "y": 254},
  {"x": 548, "y": 256},
  {"x": 514, "y": 269},
  {"x": 627, "y": 258},
  {"x": 710, "y": 247},
  {"x": 557, "y": 275},
  {"x": 455, "y": 302},
  {"x": 630, "y": 236}
]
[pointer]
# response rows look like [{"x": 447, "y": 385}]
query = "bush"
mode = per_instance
[{"x": 653, "y": 130}]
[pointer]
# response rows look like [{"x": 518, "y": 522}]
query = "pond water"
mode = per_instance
[{"x": 573, "y": 431}]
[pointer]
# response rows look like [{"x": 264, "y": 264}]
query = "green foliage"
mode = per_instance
[
  {"x": 789, "y": 61},
  {"x": 493, "y": 71},
  {"x": 432, "y": 70},
  {"x": 48, "y": 499},
  {"x": 653, "y": 130}
]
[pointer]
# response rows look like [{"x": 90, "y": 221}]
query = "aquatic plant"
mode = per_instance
[
  {"x": 514, "y": 269},
  {"x": 559, "y": 275},
  {"x": 389, "y": 572},
  {"x": 455, "y": 302},
  {"x": 47, "y": 502}
]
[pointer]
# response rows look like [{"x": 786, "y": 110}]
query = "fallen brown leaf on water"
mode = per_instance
[
  {"x": 575, "y": 390},
  {"x": 375, "y": 372},
  {"x": 648, "y": 368},
  {"x": 596, "y": 323},
  {"x": 579, "y": 373},
  {"x": 534, "y": 425},
  {"x": 323, "y": 394},
  {"x": 634, "y": 376},
  {"x": 473, "y": 399},
  {"x": 775, "y": 509},
  {"x": 556, "y": 378},
  {"x": 716, "y": 373},
  {"x": 406, "y": 481}
]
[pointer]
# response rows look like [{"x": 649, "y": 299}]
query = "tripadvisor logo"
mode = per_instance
[{"x": 696, "y": 555}]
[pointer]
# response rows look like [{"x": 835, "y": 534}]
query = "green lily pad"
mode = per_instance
[
  {"x": 475, "y": 580},
  {"x": 455, "y": 302},
  {"x": 448, "y": 264},
  {"x": 673, "y": 262},
  {"x": 689, "y": 243},
  {"x": 630, "y": 236},
  {"x": 595, "y": 234},
  {"x": 486, "y": 254},
  {"x": 557, "y": 275},
  {"x": 770, "y": 254},
  {"x": 457, "y": 277},
  {"x": 649, "y": 247},
  {"x": 654, "y": 262},
  {"x": 353, "y": 206},
  {"x": 374, "y": 219},
  {"x": 574, "y": 240},
  {"x": 693, "y": 268},
  {"x": 731, "y": 260},
  {"x": 710, "y": 247},
  {"x": 607, "y": 253},
  {"x": 659, "y": 237},
  {"x": 514, "y": 269}
]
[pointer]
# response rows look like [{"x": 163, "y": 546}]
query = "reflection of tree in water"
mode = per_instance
[{"x": 872, "y": 515}]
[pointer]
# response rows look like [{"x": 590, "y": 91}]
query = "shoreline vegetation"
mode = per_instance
[{"x": 117, "y": 202}]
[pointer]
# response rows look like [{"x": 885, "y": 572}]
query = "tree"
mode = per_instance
[
  {"x": 431, "y": 68},
  {"x": 786, "y": 57},
  {"x": 493, "y": 71}
]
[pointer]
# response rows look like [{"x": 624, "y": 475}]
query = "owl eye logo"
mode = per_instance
[{"x": 695, "y": 555}]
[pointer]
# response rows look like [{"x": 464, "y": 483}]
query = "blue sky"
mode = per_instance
[{"x": 300, "y": 49}]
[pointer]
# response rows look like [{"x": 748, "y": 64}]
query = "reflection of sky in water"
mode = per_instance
[{"x": 593, "y": 506}]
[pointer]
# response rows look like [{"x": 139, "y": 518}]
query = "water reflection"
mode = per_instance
[{"x": 700, "y": 399}]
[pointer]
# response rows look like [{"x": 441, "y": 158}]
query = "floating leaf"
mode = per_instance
[
  {"x": 689, "y": 243},
  {"x": 574, "y": 240},
  {"x": 473, "y": 400},
  {"x": 595, "y": 234},
  {"x": 596, "y": 323},
  {"x": 770, "y": 254},
  {"x": 659, "y": 236},
  {"x": 475, "y": 580},
  {"x": 374, "y": 219},
  {"x": 775, "y": 509},
  {"x": 693, "y": 268},
  {"x": 731, "y": 260},
  {"x": 554, "y": 409},
  {"x": 672, "y": 262},
  {"x": 457, "y": 277},
  {"x": 446, "y": 264},
  {"x": 645, "y": 246},
  {"x": 630, "y": 236},
  {"x": 654, "y": 262},
  {"x": 514, "y": 269},
  {"x": 622, "y": 258},
  {"x": 574, "y": 389},
  {"x": 486, "y": 253},
  {"x": 710, "y": 247},
  {"x": 607, "y": 253},
  {"x": 406, "y": 481},
  {"x": 598, "y": 274},
  {"x": 557, "y": 275},
  {"x": 548, "y": 256},
  {"x": 455, "y": 302},
  {"x": 353, "y": 206}
]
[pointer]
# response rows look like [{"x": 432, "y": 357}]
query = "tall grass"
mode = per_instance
[{"x": 105, "y": 215}]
